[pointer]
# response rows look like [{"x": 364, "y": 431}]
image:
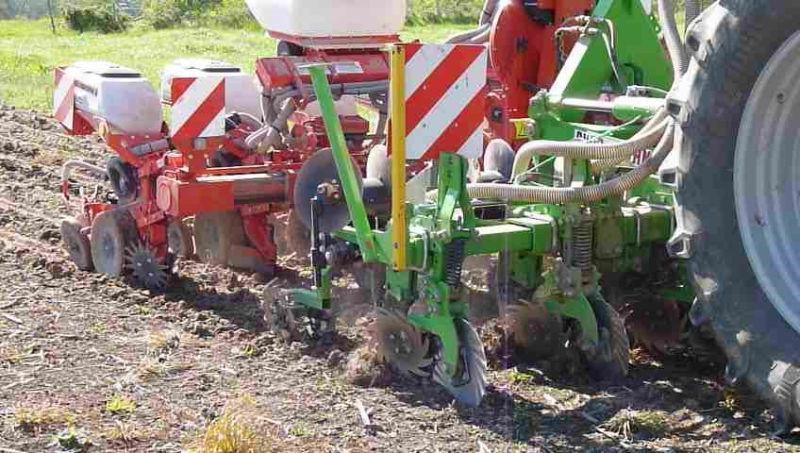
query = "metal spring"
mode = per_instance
[
  {"x": 454, "y": 262},
  {"x": 582, "y": 239}
]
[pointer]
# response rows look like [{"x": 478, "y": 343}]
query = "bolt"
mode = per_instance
[{"x": 781, "y": 98}]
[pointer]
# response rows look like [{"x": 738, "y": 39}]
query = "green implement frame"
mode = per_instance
[{"x": 617, "y": 52}]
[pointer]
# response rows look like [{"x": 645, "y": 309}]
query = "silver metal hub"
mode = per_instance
[{"x": 767, "y": 180}]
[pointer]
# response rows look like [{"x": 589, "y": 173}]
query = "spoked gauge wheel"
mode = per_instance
[
  {"x": 534, "y": 332},
  {"x": 277, "y": 315},
  {"x": 739, "y": 190},
  {"x": 468, "y": 385},
  {"x": 76, "y": 243},
  {"x": 112, "y": 232}
]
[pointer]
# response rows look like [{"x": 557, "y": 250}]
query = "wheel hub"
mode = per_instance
[{"x": 767, "y": 180}]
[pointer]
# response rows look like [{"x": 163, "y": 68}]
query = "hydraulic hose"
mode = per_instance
[
  {"x": 587, "y": 151},
  {"x": 66, "y": 169},
  {"x": 482, "y": 38},
  {"x": 269, "y": 135},
  {"x": 586, "y": 194},
  {"x": 481, "y": 34},
  {"x": 489, "y": 10},
  {"x": 678, "y": 55},
  {"x": 469, "y": 35}
]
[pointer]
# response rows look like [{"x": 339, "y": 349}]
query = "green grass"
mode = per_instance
[{"x": 29, "y": 52}]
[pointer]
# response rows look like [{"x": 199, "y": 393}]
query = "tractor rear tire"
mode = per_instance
[{"x": 736, "y": 46}]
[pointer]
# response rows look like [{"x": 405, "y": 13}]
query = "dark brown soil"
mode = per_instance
[{"x": 71, "y": 342}]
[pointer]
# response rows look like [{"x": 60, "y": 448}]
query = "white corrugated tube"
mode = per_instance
[
  {"x": 586, "y": 194},
  {"x": 646, "y": 138}
]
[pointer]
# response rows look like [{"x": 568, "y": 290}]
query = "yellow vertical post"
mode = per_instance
[{"x": 397, "y": 103}]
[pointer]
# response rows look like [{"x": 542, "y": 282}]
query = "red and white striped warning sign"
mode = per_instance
[
  {"x": 445, "y": 91},
  {"x": 198, "y": 107},
  {"x": 64, "y": 99}
]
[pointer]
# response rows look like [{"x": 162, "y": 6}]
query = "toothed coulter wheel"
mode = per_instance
[
  {"x": 146, "y": 267},
  {"x": 294, "y": 322}
]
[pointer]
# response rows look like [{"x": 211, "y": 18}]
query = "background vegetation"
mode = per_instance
[
  {"x": 29, "y": 52},
  {"x": 168, "y": 13}
]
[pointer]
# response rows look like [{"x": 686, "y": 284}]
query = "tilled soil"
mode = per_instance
[{"x": 72, "y": 342}]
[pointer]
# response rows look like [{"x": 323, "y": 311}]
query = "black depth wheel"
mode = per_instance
[{"x": 123, "y": 180}]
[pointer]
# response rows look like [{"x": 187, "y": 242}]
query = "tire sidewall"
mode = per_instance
[{"x": 746, "y": 324}]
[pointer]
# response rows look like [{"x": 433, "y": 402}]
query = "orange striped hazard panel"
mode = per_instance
[
  {"x": 445, "y": 93},
  {"x": 198, "y": 107}
]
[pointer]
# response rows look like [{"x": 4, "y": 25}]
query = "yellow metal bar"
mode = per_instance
[{"x": 397, "y": 101}]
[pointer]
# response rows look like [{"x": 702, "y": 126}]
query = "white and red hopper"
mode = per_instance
[{"x": 331, "y": 24}]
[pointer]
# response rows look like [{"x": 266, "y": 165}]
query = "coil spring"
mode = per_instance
[
  {"x": 582, "y": 239},
  {"x": 454, "y": 262}
]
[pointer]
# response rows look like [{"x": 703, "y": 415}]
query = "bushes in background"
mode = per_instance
[
  {"x": 438, "y": 11},
  {"x": 173, "y": 13},
  {"x": 103, "y": 16}
]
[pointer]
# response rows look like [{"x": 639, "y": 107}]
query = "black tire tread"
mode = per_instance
[{"x": 730, "y": 44}]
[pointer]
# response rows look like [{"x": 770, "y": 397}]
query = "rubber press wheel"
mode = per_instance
[
  {"x": 739, "y": 190},
  {"x": 112, "y": 232},
  {"x": 179, "y": 239},
  {"x": 608, "y": 360},
  {"x": 76, "y": 243}
]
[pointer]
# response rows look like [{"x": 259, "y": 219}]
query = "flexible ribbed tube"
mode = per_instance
[
  {"x": 680, "y": 59},
  {"x": 693, "y": 8},
  {"x": 586, "y": 151},
  {"x": 587, "y": 194},
  {"x": 601, "y": 165}
]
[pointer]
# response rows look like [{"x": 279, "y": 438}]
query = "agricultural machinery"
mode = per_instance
[
  {"x": 635, "y": 159},
  {"x": 628, "y": 180},
  {"x": 577, "y": 204},
  {"x": 231, "y": 156}
]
